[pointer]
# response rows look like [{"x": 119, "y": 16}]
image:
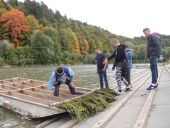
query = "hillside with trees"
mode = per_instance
[{"x": 31, "y": 33}]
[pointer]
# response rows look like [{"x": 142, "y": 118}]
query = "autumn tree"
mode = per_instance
[
  {"x": 14, "y": 25},
  {"x": 1, "y": 4},
  {"x": 76, "y": 48},
  {"x": 32, "y": 22},
  {"x": 85, "y": 47},
  {"x": 2, "y": 7}
]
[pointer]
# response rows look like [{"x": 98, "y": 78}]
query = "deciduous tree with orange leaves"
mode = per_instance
[
  {"x": 14, "y": 25},
  {"x": 85, "y": 47},
  {"x": 76, "y": 48}
]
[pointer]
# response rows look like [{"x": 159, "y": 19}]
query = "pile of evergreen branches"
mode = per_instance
[{"x": 88, "y": 105}]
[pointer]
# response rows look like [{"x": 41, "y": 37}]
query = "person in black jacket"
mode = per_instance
[
  {"x": 153, "y": 53},
  {"x": 120, "y": 65}
]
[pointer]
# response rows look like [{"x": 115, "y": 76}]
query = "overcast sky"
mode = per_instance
[{"x": 122, "y": 17}]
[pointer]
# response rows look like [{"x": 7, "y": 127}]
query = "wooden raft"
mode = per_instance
[{"x": 30, "y": 97}]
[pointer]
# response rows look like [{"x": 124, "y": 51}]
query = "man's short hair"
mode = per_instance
[
  {"x": 115, "y": 40},
  {"x": 127, "y": 46},
  {"x": 60, "y": 71},
  {"x": 97, "y": 47},
  {"x": 145, "y": 29}
]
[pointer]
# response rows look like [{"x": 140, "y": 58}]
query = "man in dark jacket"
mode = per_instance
[
  {"x": 121, "y": 65},
  {"x": 153, "y": 53}
]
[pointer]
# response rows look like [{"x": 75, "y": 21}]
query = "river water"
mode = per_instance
[{"x": 85, "y": 77}]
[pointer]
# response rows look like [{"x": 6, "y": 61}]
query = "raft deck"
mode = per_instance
[{"x": 29, "y": 97}]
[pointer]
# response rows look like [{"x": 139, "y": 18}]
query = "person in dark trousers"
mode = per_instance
[
  {"x": 153, "y": 53},
  {"x": 129, "y": 55},
  {"x": 120, "y": 65},
  {"x": 60, "y": 76},
  {"x": 101, "y": 67}
]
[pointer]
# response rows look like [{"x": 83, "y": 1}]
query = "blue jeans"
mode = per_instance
[
  {"x": 154, "y": 68},
  {"x": 129, "y": 75},
  {"x": 103, "y": 76}
]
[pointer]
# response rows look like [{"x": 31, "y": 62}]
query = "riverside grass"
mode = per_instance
[{"x": 86, "y": 106}]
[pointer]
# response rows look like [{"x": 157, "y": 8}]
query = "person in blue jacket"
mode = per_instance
[
  {"x": 60, "y": 76},
  {"x": 129, "y": 55}
]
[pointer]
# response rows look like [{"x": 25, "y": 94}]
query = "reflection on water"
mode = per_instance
[
  {"x": 85, "y": 77},
  {"x": 9, "y": 119}
]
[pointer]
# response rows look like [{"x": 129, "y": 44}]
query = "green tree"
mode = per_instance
[
  {"x": 42, "y": 48},
  {"x": 52, "y": 32},
  {"x": 3, "y": 47},
  {"x": 33, "y": 8},
  {"x": 13, "y": 3},
  {"x": 140, "y": 52},
  {"x": 65, "y": 40}
]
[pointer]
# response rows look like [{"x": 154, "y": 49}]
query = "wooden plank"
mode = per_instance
[
  {"x": 84, "y": 90},
  {"x": 27, "y": 82},
  {"x": 18, "y": 86},
  {"x": 65, "y": 91},
  {"x": 12, "y": 81},
  {"x": 21, "y": 80},
  {"x": 48, "y": 122},
  {"x": 114, "y": 110},
  {"x": 29, "y": 98},
  {"x": 9, "y": 80},
  {"x": 6, "y": 87},
  {"x": 63, "y": 95},
  {"x": 24, "y": 87},
  {"x": 42, "y": 95},
  {"x": 29, "y": 102},
  {"x": 144, "y": 114},
  {"x": 18, "y": 89},
  {"x": 69, "y": 124}
]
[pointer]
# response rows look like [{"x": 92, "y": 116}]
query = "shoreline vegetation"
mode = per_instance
[{"x": 44, "y": 37}]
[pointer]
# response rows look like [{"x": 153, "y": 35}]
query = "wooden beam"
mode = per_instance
[
  {"x": 42, "y": 95},
  {"x": 18, "y": 89},
  {"x": 65, "y": 91},
  {"x": 62, "y": 95},
  {"x": 6, "y": 87},
  {"x": 10, "y": 80},
  {"x": 16, "y": 80},
  {"x": 29, "y": 98},
  {"x": 16, "y": 85},
  {"x": 27, "y": 82},
  {"x": 79, "y": 89}
]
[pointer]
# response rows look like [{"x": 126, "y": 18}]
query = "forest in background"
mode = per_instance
[{"x": 31, "y": 33}]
